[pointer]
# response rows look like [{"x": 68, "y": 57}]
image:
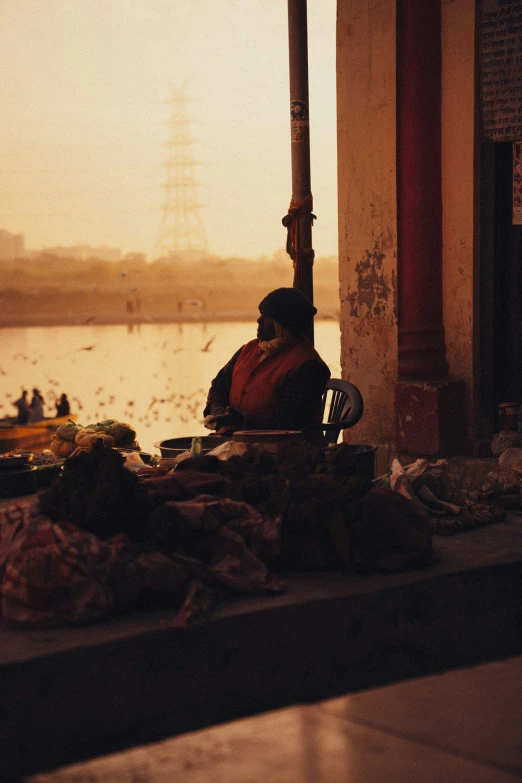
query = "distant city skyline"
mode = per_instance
[
  {"x": 85, "y": 93},
  {"x": 13, "y": 246}
]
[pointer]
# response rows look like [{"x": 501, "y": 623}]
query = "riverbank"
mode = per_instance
[{"x": 134, "y": 319}]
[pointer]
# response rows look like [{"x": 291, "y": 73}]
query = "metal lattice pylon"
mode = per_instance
[{"x": 181, "y": 226}]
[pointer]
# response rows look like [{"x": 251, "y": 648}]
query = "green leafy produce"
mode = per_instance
[
  {"x": 68, "y": 431},
  {"x": 101, "y": 425},
  {"x": 122, "y": 433},
  {"x": 95, "y": 492}
]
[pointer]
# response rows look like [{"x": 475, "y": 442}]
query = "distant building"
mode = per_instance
[
  {"x": 11, "y": 246},
  {"x": 84, "y": 252}
]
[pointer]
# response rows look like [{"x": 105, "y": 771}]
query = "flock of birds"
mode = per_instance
[
  {"x": 158, "y": 405},
  {"x": 166, "y": 407}
]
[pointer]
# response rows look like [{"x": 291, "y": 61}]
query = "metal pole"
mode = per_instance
[{"x": 300, "y": 145}]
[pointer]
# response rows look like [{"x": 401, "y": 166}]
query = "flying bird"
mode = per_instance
[
  {"x": 206, "y": 348},
  {"x": 153, "y": 402},
  {"x": 88, "y": 348}
]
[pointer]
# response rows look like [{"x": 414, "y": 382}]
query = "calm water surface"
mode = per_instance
[{"x": 154, "y": 376}]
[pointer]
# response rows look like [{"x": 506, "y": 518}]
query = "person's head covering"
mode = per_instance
[{"x": 289, "y": 307}]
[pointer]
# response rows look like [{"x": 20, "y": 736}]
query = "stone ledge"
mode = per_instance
[{"x": 70, "y": 694}]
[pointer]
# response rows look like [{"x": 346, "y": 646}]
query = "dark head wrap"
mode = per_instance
[{"x": 289, "y": 307}]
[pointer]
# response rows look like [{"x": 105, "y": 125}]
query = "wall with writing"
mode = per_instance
[{"x": 501, "y": 69}]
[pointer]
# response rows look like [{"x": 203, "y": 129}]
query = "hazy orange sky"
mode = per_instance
[{"x": 83, "y": 90}]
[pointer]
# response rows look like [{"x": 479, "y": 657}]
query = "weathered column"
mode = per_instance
[
  {"x": 429, "y": 408},
  {"x": 299, "y": 219}
]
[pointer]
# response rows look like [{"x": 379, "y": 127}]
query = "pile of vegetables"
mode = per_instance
[
  {"x": 71, "y": 436},
  {"x": 96, "y": 493}
]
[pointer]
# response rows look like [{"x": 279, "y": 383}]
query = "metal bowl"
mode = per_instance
[
  {"x": 173, "y": 447},
  {"x": 145, "y": 455},
  {"x": 16, "y": 460},
  {"x": 16, "y": 482}
]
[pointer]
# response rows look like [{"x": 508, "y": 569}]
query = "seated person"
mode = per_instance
[
  {"x": 275, "y": 382},
  {"x": 62, "y": 406}
]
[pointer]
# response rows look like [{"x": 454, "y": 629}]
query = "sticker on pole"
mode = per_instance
[{"x": 299, "y": 125}]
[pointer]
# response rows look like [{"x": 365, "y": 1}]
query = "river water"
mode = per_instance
[{"x": 154, "y": 376}]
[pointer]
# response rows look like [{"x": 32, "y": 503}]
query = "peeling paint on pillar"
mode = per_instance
[
  {"x": 430, "y": 422},
  {"x": 369, "y": 329},
  {"x": 367, "y": 212},
  {"x": 373, "y": 289}
]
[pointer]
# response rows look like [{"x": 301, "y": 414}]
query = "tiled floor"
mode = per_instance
[{"x": 464, "y": 726}]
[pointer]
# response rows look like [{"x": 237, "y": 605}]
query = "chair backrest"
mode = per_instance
[{"x": 342, "y": 407}]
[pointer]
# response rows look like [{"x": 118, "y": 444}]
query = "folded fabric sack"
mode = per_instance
[
  {"x": 422, "y": 482},
  {"x": 53, "y": 573}
]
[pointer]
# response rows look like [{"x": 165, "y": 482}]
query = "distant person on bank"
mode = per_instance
[
  {"x": 275, "y": 382},
  {"x": 22, "y": 404},
  {"x": 36, "y": 412},
  {"x": 62, "y": 406}
]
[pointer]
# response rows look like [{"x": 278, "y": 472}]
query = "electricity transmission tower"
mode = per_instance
[{"x": 181, "y": 226}]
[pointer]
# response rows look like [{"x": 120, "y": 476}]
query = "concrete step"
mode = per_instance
[{"x": 70, "y": 694}]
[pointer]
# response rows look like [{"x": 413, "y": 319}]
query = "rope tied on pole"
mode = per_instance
[{"x": 291, "y": 221}]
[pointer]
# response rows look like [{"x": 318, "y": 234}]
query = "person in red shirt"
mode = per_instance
[{"x": 276, "y": 381}]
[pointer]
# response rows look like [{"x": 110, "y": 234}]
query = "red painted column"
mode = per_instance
[
  {"x": 421, "y": 330},
  {"x": 429, "y": 407}
]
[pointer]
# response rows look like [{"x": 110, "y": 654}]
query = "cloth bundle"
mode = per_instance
[
  {"x": 53, "y": 573},
  {"x": 423, "y": 483}
]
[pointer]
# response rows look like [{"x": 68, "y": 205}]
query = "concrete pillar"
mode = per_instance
[
  {"x": 461, "y": 200},
  {"x": 366, "y": 109}
]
